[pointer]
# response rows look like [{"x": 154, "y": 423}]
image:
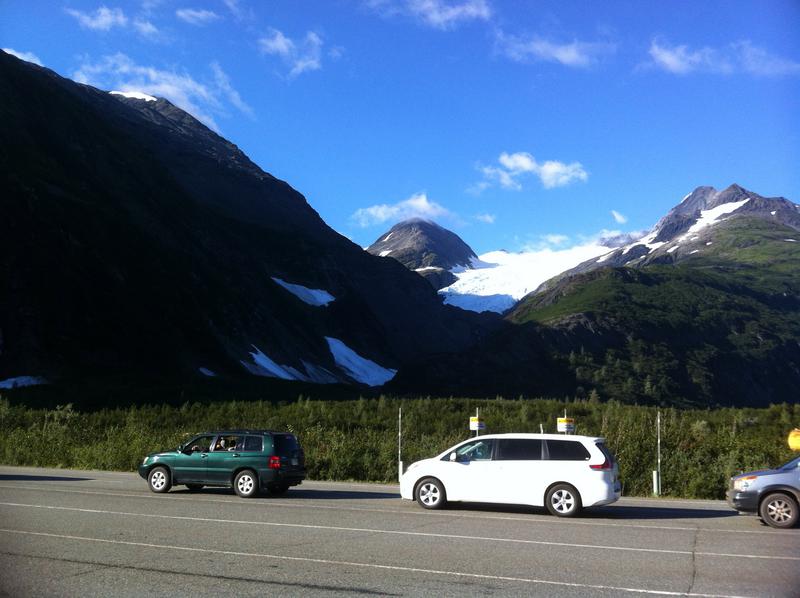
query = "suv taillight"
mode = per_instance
[
  {"x": 274, "y": 462},
  {"x": 604, "y": 465}
]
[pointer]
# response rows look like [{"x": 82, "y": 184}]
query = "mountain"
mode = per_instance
[
  {"x": 135, "y": 242},
  {"x": 704, "y": 310},
  {"x": 688, "y": 231},
  {"x": 493, "y": 282},
  {"x": 426, "y": 248}
]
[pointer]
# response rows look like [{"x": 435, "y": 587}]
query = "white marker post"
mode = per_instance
[{"x": 399, "y": 443}]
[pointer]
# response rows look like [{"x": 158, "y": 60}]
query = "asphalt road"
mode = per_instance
[{"x": 88, "y": 533}]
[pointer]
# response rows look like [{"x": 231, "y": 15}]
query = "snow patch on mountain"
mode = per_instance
[
  {"x": 207, "y": 372},
  {"x": 357, "y": 367},
  {"x": 315, "y": 297},
  {"x": 134, "y": 95},
  {"x": 264, "y": 366},
  {"x": 712, "y": 216},
  {"x": 22, "y": 381},
  {"x": 498, "y": 279}
]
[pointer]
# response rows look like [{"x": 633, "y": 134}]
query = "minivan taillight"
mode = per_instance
[
  {"x": 604, "y": 465},
  {"x": 274, "y": 462}
]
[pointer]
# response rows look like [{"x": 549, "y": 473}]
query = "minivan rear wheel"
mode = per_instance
[
  {"x": 430, "y": 494},
  {"x": 779, "y": 510},
  {"x": 246, "y": 483},
  {"x": 563, "y": 500}
]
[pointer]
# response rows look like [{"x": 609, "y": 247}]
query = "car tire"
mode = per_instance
[
  {"x": 430, "y": 494},
  {"x": 277, "y": 489},
  {"x": 779, "y": 510},
  {"x": 246, "y": 483},
  {"x": 563, "y": 500},
  {"x": 194, "y": 487},
  {"x": 159, "y": 480}
]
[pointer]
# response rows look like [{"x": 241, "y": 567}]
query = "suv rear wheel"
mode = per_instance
[
  {"x": 246, "y": 483},
  {"x": 779, "y": 510},
  {"x": 563, "y": 500}
]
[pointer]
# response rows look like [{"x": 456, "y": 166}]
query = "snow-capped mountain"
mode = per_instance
[
  {"x": 689, "y": 229},
  {"x": 427, "y": 248},
  {"x": 137, "y": 242}
]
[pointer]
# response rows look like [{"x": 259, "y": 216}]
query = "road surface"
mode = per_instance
[{"x": 89, "y": 533}]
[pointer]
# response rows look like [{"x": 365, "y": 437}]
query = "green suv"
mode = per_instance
[{"x": 247, "y": 460}]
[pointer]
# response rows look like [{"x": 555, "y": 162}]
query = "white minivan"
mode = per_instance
[{"x": 562, "y": 473}]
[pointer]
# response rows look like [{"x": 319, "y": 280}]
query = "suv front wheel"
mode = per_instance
[
  {"x": 246, "y": 483},
  {"x": 159, "y": 480},
  {"x": 779, "y": 510}
]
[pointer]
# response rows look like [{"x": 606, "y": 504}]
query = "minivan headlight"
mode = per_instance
[{"x": 744, "y": 483}]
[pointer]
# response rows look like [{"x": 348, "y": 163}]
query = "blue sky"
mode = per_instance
[{"x": 516, "y": 124}]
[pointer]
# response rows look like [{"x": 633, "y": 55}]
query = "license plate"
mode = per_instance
[{"x": 294, "y": 461}]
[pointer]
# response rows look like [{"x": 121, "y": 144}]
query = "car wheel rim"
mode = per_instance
[
  {"x": 779, "y": 511},
  {"x": 158, "y": 479},
  {"x": 563, "y": 501},
  {"x": 429, "y": 494},
  {"x": 245, "y": 484}
]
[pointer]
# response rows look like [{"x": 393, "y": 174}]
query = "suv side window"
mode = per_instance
[
  {"x": 479, "y": 450},
  {"x": 253, "y": 444},
  {"x": 519, "y": 449},
  {"x": 201, "y": 444},
  {"x": 567, "y": 450},
  {"x": 228, "y": 442}
]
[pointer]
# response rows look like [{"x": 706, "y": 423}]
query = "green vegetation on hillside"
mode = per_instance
[
  {"x": 357, "y": 440},
  {"x": 710, "y": 330}
]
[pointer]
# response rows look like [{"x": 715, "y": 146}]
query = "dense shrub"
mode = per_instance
[{"x": 357, "y": 440}]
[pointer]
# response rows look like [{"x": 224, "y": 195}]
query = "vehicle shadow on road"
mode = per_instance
[
  {"x": 340, "y": 494},
  {"x": 631, "y": 512},
  {"x": 40, "y": 478}
]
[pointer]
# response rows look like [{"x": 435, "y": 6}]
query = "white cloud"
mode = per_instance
[
  {"x": 299, "y": 56},
  {"x": 223, "y": 84},
  {"x": 28, "y": 56},
  {"x": 739, "y": 57},
  {"x": 202, "y": 100},
  {"x": 439, "y": 14},
  {"x": 102, "y": 19},
  {"x": 486, "y": 218},
  {"x": 196, "y": 16},
  {"x": 619, "y": 218},
  {"x": 416, "y": 206},
  {"x": 445, "y": 15},
  {"x": 145, "y": 28},
  {"x": 513, "y": 167},
  {"x": 538, "y": 49}
]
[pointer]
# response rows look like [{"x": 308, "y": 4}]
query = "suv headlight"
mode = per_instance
[{"x": 744, "y": 483}]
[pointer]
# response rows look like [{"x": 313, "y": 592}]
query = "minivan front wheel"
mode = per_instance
[
  {"x": 159, "y": 480},
  {"x": 779, "y": 510},
  {"x": 430, "y": 494},
  {"x": 563, "y": 500},
  {"x": 246, "y": 484}
]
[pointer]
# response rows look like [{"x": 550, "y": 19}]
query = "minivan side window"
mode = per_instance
[
  {"x": 567, "y": 450},
  {"x": 252, "y": 444},
  {"x": 519, "y": 449},
  {"x": 479, "y": 450}
]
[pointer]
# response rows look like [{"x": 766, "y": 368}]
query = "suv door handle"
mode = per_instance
[
  {"x": 204, "y": 456},
  {"x": 235, "y": 455}
]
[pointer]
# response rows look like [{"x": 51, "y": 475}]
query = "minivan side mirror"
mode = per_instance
[{"x": 453, "y": 456}]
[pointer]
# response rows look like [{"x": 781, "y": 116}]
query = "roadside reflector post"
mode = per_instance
[
  {"x": 655, "y": 483},
  {"x": 476, "y": 423},
  {"x": 399, "y": 443}
]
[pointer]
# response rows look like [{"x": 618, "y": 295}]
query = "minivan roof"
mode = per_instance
[
  {"x": 543, "y": 436},
  {"x": 242, "y": 431}
]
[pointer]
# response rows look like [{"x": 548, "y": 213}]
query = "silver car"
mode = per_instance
[{"x": 772, "y": 493}]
